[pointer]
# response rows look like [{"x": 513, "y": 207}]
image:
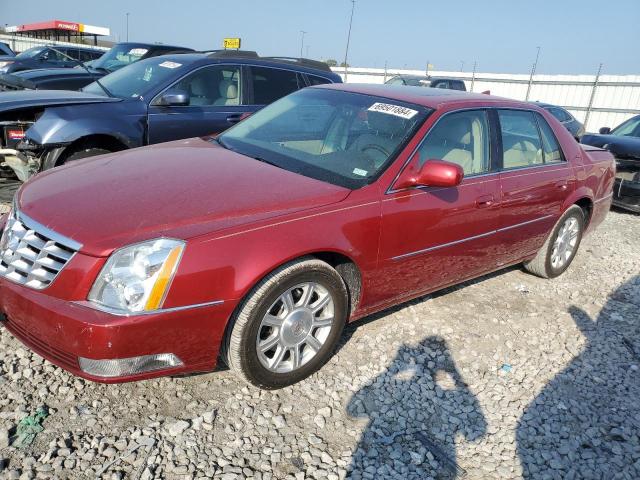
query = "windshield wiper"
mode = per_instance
[
  {"x": 82, "y": 65},
  {"x": 264, "y": 160}
]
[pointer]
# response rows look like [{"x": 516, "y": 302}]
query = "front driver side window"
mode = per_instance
[
  {"x": 461, "y": 138},
  {"x": 219, "y": 85}
]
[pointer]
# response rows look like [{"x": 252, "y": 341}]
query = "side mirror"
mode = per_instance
[
  {"x": 175, "y": 98},
  {"x": 433, "y": 173},
  {"x": 605, "y": 131}
]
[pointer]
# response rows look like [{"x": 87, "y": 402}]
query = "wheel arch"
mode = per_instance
[{"x": 96, "y": 140}]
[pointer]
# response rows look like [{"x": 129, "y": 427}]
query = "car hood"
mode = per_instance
[
  {"x": 47, "y": 98},
  {"x": 179, "y": 189},
  {"x": 622, "y": 147},
  {"x": 38, "y": 73}
]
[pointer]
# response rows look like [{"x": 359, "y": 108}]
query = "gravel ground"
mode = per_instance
[{"x": 508, "y": 376}]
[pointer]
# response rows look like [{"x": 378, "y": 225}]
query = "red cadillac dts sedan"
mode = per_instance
[{"x": 256, "y": 247}]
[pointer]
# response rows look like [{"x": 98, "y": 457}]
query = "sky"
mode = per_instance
[{"x": 502, "y": 36}]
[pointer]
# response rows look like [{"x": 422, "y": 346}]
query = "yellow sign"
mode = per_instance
[{"x": 231, "y": 43}]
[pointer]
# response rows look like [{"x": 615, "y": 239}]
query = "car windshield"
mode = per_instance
[
  {"x": 343, "y": 138},
  {"x": 120, "y": 56},
  {"x": 137, "y": 79},
  {"x": 31, "y": 52},
  {"x": 630, "y": 128}
]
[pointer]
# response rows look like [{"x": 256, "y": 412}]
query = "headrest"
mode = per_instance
[
  {"x": 458, "y": 130},
  {"x": 228, "y": 89},
  {"x": 199, "y": 86}
]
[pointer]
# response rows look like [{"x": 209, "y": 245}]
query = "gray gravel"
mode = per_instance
[{"x": 509, "y": 376}]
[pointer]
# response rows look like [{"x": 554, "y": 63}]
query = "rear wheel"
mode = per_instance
[
  {"x": 288, "y": 325},
  {"x": 561, "y": 246}
]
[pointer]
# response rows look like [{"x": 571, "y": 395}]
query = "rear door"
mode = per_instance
[
  {"x": 216, "y": 97},
  {"x": 535, "y": 180},
  {"x": 436, "y": 236}
]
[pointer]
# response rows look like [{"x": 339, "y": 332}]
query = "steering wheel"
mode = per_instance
[{"x": 375, "y": 147}]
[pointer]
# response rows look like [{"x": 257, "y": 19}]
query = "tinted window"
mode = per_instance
[
  {"x": 550, "y": 146},
  {"x": 313, "y": 80},
  {"x": 441, "y": 84},
  {"x": 218, "y": 85},
  {"x": 520, "y": 140},
  {"x": 461, "y": 138},
  {"x": 395, "y": 81},
  {"x": 458, "y": 85},
  {"x": 559, "y": 114},
  {"x": 270, "y": 84}
]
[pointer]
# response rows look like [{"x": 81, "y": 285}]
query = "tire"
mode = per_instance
[
  {"x": 84, "y": 153},
  {"x": 545, "y": 264},
  {"x": 247, "y": 330}
]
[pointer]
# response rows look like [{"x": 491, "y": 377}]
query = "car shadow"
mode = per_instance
[
  {"x": 585, "y": 423},
  {"x": 351, "y": 328},
  {"x": 416, "y": 410}
]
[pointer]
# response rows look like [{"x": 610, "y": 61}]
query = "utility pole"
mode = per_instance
[
  {"x": 127, "y": 26},
  {"x": 533, "y": 71},
  {"x": 462, "y": 65},
  {"x": 346, "y": 52},
  {"x": 302, "y": 41},
  {"x": 593, "y": 95}
]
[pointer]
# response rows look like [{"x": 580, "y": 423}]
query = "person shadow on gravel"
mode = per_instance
[
  {"x": 416, "y": 409},
  {"x": 585, "y": 423}
]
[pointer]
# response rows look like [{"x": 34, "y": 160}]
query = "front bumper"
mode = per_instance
[
  {"x": 61, "y": 331},
  {"x": 626, "y": 194}
]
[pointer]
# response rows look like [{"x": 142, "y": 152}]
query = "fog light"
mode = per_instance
[{"x": 121, "y": 367}]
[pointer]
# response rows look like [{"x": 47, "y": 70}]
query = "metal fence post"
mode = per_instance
[
  {"x": 385, "y": 72},
  {"x": 473, "y": 76},
  {"x": 593, "y": 95}
]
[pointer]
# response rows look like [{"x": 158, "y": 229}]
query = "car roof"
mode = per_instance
[
  {"x": 205, "y": 58},
  {"x": 425, "y": 96},
  {"x": 161, "y": 46},
  {"x": 546, "y": 105}
]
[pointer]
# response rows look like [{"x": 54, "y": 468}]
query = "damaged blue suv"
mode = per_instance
[{"x": 151, "y": 101}]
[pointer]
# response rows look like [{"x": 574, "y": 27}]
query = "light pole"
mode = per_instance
[
  {"x": 346, "y": 52},
  {"x": 127, "y": 26},
  {"x": 533, "y": 71},
  {"x": 462, "y": 65},
  {"x": 302, "y": 41}
]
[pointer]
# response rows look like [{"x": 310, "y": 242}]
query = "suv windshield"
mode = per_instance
[
  {"x": 120, "y": 56},
  {"x": 630, "y": 128},
  {"x": 343, "y": 138},
  {"x": 31, "y": 52},
  {"x": 136, "y": 79}
]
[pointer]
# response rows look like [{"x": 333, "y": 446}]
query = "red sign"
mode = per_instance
[
  {"x": 68, "y": 26},
  {"x": 15, "y": 134}
]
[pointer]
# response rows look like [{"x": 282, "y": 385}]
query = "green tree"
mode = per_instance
[{"x": 331, "y": 62}]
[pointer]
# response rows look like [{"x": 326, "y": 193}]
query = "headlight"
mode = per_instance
[{"x": 137, "y": 278}]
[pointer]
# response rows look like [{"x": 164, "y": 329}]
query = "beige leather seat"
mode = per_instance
[
  {"x": 228, "y": 90},
  {"x": 520, "y": 152}
]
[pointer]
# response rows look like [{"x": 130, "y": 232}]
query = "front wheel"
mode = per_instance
[
  {"x": 288, "y": 325},
  {"x": 561, "y": 246}
]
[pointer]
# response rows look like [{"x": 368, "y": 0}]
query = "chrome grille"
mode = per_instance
[{"x": 31, "y": 254}]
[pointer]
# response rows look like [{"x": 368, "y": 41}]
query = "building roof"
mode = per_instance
[{"x": 59, "y": 26}]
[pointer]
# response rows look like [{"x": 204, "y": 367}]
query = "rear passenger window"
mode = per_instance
[
  {"x": 313, "y": 80},
  {"x": 550, "y": 146},
  {"x": 270, "y": 84},
  {"x": 521, "y": 143},
  {"x": 461, "y": 138}
]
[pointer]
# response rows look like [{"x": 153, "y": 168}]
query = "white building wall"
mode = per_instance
[{"x": 616, "y": 99}]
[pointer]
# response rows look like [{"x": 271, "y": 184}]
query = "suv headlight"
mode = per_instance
[{"x": 137, "y": 278}]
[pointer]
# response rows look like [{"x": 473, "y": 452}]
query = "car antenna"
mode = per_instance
[{"x": 78, "y": 62}]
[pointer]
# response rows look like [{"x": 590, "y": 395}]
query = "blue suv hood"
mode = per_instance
[{"x": 46, "y": 98}]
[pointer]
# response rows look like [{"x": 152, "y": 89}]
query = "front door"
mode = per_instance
[
  {"x": 434, "y": 236},
  {"x": 535, "y": 181},
  {"x": 215, "y": 103}
]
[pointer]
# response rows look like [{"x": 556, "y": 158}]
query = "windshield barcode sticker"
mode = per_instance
[
  {"x": 360, "y": 172},
  {"x": 169, "y": 64},
  {"x": 397, "y": 110}
]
